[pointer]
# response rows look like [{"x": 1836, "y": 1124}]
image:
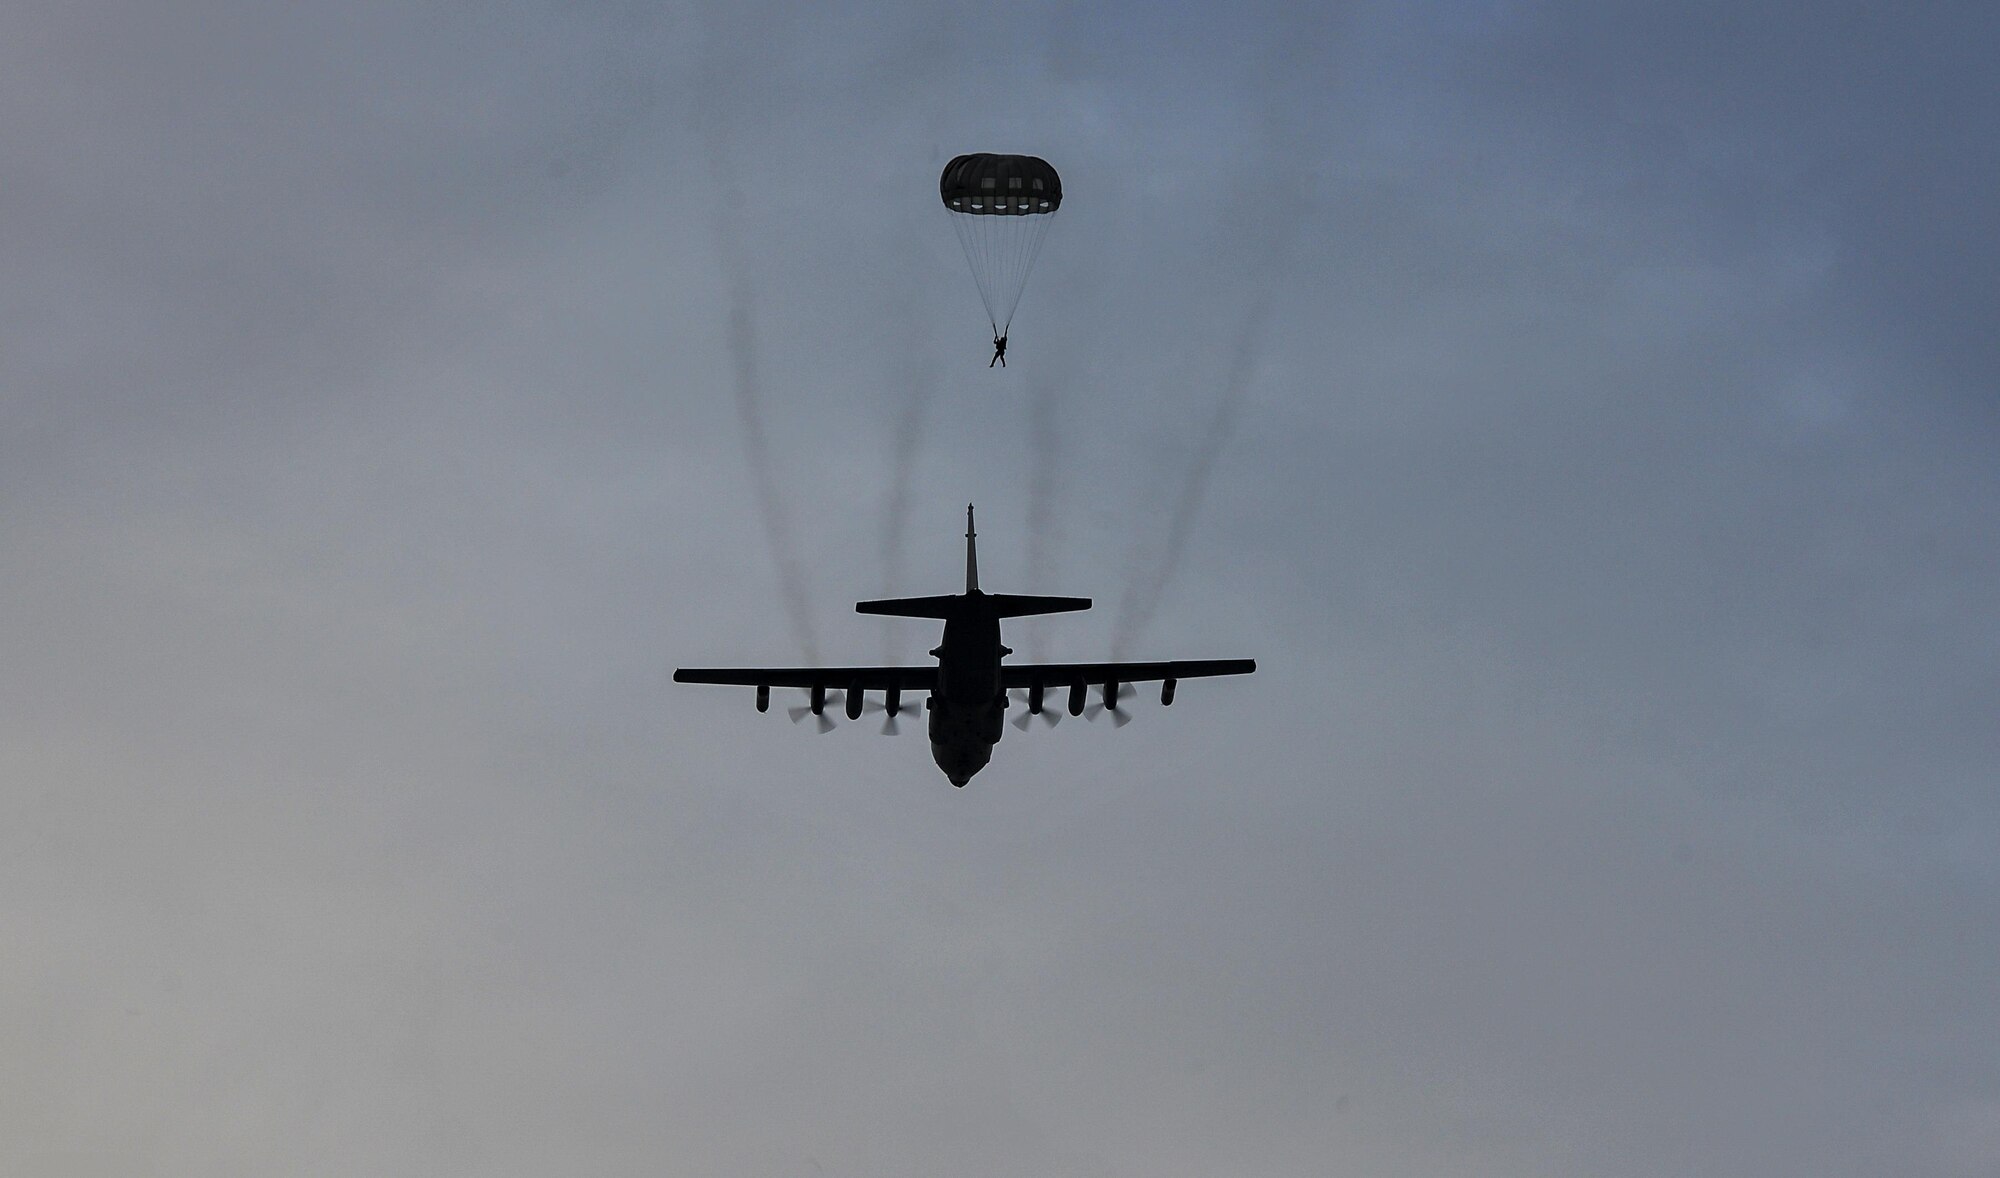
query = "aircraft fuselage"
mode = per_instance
[{"x": 968, "y": 708}]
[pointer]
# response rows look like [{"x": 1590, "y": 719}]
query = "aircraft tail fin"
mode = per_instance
[
  {"x": 972, "y": 602},
  {"x": 971, "y": 554}
]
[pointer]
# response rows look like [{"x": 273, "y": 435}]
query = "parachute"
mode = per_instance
[{"x": 1001, "y": 206}]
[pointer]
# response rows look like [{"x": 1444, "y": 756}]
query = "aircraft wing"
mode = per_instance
[
  {"x": 908, "y": 679},
  {"x": 1094, "y": 674}
]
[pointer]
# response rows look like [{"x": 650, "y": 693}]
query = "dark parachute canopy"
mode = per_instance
[{"x": 1001, "y": 206}]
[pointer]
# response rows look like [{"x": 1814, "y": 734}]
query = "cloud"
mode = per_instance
[{"x": 1602, "y": 490}]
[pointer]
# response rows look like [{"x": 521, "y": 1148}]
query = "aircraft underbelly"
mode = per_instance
[{"x": 962, "y": 737}]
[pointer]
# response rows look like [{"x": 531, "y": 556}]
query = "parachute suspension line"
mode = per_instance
[
  {"x": 1000, "y": 233},
  {"x": 1031, "y": 249},
  {"x": 1007, "y": 236},
  {"x": 973, "y": 237},
  {"x": 993, "y": 260},
  {"x": 1002, "y": 251}
]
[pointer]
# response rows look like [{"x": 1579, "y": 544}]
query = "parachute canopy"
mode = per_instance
[
  {"x": 1001, "y": 207},
  {"x": 1000, "y": 185}
]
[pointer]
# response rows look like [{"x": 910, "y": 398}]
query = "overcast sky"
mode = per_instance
[{"x": 1586, "y": 413}]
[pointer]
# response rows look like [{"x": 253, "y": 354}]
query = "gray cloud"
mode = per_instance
[{"x": 1611, "y": 509}]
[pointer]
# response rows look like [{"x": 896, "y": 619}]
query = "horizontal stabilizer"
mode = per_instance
[
  {"x": 1020, "y": 605},
  {"x": 912, "y": 607},
  {"x": 974, "y": 604}
]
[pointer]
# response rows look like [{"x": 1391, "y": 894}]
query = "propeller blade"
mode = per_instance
[
  {"x": 1051, "y": 708},
  {"x": 824, "y": 723},
  {"x": 1049, "y": 718},
  {"x": 891, "y": 725},
  {"x": 1119, "y": 716}
]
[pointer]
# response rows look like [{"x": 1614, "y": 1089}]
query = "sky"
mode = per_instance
[{"x": 1586, "y": 414}]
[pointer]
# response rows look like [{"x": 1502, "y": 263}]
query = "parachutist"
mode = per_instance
[{"x": 999, "y": 352}]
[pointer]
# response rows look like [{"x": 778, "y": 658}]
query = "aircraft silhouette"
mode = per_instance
[{"x": 967, "y": 690}]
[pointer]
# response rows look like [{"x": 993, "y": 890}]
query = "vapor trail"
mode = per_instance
[
  {"x": 1143, "y": 593},
  {"x": 763, "y": 474},
  {"x": 905, "y": 444},
  {"x": 748, "y": 392},
  {"x": 1044, "y": 469}
]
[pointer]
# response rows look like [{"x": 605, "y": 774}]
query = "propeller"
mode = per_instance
[
  {"x": 1051, "y": 709},
  {"x": 1119, "y": 716},
  {"x": 891, "y": 724},
  {"x": 824, "y": 721}
]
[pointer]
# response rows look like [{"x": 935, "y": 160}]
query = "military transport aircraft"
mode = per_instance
[{"x": 967, "y": 690}]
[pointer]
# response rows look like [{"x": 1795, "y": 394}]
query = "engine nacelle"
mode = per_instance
[
  {"x": 1076, "y": 698},
  {"x": 819, "y": 699},
  {"x": 854, "y": 700},
  {"x": 1035, "y": 699},
  {"x": 1167, "y": 692},
  {"x": 892, "y": 700},
  {"x": 763, "y": 697}
]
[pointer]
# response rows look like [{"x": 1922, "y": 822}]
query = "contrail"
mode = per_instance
[
  {"x": 912, "y": 419},
  {"x": 748, "y": 392},
  {"x": 763, "y": 475},
  {"x": 1044, "y": 492},
  {"x": 1142, "y": 594},
  {"x": 905, "y": 444}
]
